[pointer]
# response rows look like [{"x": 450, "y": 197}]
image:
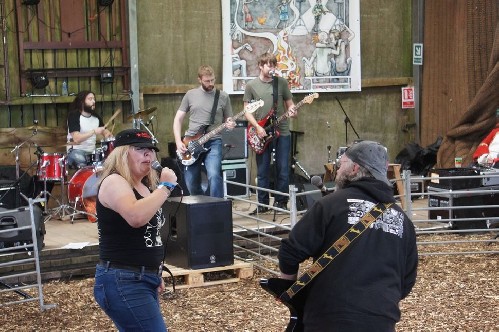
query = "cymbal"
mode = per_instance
[{"x": 141, "y": 113}]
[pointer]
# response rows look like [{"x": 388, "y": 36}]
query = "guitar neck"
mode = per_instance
[
  {"x": 286, "y": 114},
  {"x": 217, "y": 130}
]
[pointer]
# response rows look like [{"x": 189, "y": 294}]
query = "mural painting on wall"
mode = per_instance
[{"x": 316, "y": 43}]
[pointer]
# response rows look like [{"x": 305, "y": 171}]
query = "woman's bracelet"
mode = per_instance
[{"x": 170, "y": 186}]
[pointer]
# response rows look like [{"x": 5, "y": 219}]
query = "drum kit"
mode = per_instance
[{"x": 80, "y": 196}]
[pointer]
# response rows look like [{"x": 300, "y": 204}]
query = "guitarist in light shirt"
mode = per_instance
[
  {"x": 262, "y": 88},
  {"x": 199, "y": 103}
]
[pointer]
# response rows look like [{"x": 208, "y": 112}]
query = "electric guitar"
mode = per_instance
[
  {"x": 277, "y": 286},
  {"x": 194, "y": 144},
  {"x": 259, "y": 144}
]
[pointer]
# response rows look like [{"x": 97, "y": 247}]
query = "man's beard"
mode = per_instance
[
  {"x": 88, "y": 109},
  {"x": 343, "y": 180},
  {"x": 208, "y": 88}
]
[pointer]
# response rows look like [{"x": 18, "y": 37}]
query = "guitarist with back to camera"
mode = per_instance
[
  {"x": 265, "y": 87},
  {"x": 208, "y": 108},
  {"x": 364, "y": 251}
]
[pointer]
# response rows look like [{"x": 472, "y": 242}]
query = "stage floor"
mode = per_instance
[{"x": 80, "y": 232}]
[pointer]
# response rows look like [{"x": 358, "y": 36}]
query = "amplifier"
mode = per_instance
[
  {"x": 461, "y": 207},
  {"x": 234, "y": 142},
  {"x": 458, "y": 183},
  {"x": 236, "y": 172},
  {"x": 9, "y": 194},
  {"x": 492, "y": 178}
]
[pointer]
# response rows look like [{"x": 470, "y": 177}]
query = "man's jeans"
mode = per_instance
[
  {"x": 213, "y": 164},
  {"x": 281, "y": 164},
  {"x": 76, "y": 158}
]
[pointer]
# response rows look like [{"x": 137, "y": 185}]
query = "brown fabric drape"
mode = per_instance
[{"x": 480, "y": 118}]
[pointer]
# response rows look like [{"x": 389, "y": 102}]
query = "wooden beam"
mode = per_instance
[
  {"x": 183, "y": 88},
  {"x": 386, "y": 81},
  {"x": 169, "y": 89},
  {"x": 30, "y": 100}
]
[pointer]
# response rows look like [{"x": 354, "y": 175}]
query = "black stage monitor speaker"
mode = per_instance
[
  {"x": 198, "y": 232},
  {"x": 234, "y": 142},
  {"x": 13, "y": 219},
  {"x": 304, "y": 202}
]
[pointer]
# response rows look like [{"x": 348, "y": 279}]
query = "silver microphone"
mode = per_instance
[
  {"x": 272, "y": 72},
  {"x": 155, "y": 165},
  {"x": 317, "y": 181}
]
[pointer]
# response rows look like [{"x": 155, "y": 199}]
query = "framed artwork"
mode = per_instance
[{"x": 316, "y": 43}]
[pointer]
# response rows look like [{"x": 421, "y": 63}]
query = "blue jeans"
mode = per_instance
[
  {"x": 213, "y": 164},
  {"x": 77, "y": 158},
  {"x": 129, "y": 298},
  {"x": 282, "y": 147}
]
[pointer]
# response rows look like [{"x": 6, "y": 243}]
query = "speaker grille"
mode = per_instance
[{"x": 234, "y": 142}]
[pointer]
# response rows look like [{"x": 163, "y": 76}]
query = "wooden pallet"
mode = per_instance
[{"x": 188, "y": 278}]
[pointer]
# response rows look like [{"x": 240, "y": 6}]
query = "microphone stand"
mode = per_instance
[{"x": 347, "y": 121}]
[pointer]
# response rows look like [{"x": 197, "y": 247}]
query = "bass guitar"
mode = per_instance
[
  {"x": 259, "y": 144},
  {"x": 276, "y": 287},
  {"x": 194, "y": 144}
]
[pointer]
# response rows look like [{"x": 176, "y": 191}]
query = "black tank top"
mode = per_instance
[{"x": 120, "y": 243}]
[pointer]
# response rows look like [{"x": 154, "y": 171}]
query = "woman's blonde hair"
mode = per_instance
[{"x": 117, "y": 162}]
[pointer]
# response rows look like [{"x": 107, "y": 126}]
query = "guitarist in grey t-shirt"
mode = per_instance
[
  {"x": 199, "y": 104},
  {"x": 262, "y": 87}
]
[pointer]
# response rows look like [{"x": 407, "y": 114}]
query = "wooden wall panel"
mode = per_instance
[
  {"x": 444, "y": 89},
  {"x": 458, "y": 37},
  {"x": 66, "y": 40},
  {"x": 176, "y": 37}
]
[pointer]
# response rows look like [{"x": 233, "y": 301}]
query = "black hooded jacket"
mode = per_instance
[{"x": 360, "y": 289}]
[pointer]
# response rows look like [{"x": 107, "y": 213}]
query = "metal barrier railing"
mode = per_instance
[
  {"x": 453, "y": 229},
  {"x": 34, "y": 262}
]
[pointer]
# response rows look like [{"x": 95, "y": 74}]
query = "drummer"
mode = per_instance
[{"x": 83, "y": 127}]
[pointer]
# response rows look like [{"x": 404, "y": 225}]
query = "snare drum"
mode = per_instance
[
  {"x": 51, "y": 167},
  {"x": 107, "y": 146}
]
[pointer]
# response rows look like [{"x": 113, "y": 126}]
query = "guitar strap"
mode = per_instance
[
  {"x": 275, "y": 91},
  {"x": 337, "y": 248},
  {"x": 214, "y": 109},
  {"x": 273, "y": 114}
]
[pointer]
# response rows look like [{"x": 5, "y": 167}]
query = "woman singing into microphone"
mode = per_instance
[{"x": 129, "y": 200}]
